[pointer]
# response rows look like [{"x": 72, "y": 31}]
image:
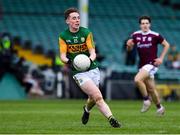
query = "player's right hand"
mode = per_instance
[
  {"x": 158, "y": 61},
  {"x": 129, "y": 44}
]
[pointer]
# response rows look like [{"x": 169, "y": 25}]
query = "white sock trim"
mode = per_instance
[{"x": 87, "y": 109}]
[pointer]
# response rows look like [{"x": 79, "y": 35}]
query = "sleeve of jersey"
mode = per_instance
[
  {"x": 133, "y": 37},
  {"x": 89, "y": 41},
  {"x": 160, "y": 39},
  {"x": 62, "y": 45}
]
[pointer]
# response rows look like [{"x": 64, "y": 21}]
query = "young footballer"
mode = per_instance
[
  {"x": 147, "y": 42},
  {"x": 79, "y": 40}
]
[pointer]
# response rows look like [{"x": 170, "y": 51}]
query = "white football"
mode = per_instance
[{"x": 81, "y": 62}]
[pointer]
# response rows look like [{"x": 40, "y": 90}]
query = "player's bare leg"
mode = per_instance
[
  {"x": 89, "y": 105},
  {"x": 93, "y": 91},
  {"x": 151, "y": 88},
  {"x": 139, "y": 80}
]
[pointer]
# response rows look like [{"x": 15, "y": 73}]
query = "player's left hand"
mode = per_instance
[
  {"x": 158, "y": 61},
  {"x": 91, "y": 60}
]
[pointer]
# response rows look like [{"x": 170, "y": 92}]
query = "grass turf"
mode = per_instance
[{"x": 64, "y": 117}]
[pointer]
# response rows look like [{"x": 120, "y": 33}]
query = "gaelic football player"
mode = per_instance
[
  {"x": 147, "y": 42},
  {"x": 79, "y": 40}
]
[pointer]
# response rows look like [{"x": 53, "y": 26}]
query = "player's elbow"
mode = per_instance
[
  {"x": 166, "y": 44},
  {"x": 63, "y": 58}
]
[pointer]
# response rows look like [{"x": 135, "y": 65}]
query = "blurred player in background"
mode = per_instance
[
  {"x": 6, "y": 54},
  {"x": 76, "y": 40},
  {"x": 146, "y": 42}
]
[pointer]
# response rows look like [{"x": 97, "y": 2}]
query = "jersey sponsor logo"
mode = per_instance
[
  {"x": 77, "y": 48},
  {"x": 144, "y": 45}
]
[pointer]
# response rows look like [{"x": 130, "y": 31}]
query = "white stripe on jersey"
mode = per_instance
[
  {"x": 145, "y": 33},
  {"x": 154, "y": 33}
]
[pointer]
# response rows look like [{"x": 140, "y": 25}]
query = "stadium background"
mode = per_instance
[{"x": 35, "y": 26}]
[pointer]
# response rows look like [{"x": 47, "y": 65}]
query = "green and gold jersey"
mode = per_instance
[{"x": 77, "y": 43}]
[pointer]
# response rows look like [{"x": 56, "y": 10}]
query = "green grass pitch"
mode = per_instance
[{"x": 64, "y": 117}]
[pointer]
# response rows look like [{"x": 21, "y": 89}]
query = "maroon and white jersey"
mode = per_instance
[{"x": 146, "y": 44}]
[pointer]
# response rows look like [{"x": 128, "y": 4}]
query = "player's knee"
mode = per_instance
[
  {"x": 137, "y": 80},
  {"x": 98, "y": 98},
  {"x": 99, "y": 101}
]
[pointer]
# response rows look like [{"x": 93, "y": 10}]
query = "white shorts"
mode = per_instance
[
  {"x": 151, "y": 69},
  {"x": 83, "y": 77}
]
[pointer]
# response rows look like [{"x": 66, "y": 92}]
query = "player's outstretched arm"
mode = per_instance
[{"x": 130, "y": 45}]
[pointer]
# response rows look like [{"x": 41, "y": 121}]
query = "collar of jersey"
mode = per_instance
[{"x": 145, "y": 33}]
